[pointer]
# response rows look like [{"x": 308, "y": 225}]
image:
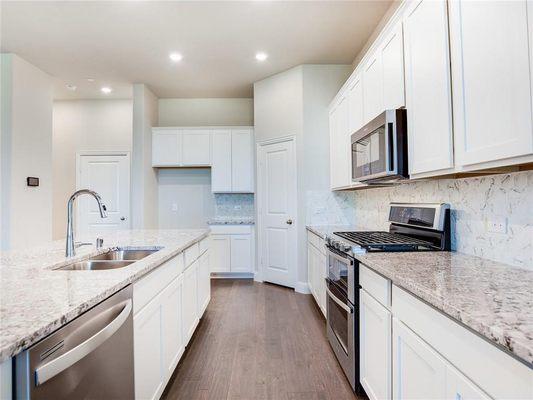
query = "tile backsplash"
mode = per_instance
[
  {"x": 492, "y": 216},
  {"x": 234, "y": 205}
]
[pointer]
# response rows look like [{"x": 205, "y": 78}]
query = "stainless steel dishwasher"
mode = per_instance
[{"x": 89, "y": 358}]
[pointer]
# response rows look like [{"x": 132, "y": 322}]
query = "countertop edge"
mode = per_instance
[{"x": 25, "y": 342}]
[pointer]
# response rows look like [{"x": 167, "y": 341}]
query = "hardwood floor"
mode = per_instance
[{"x": 258, "y": 341}]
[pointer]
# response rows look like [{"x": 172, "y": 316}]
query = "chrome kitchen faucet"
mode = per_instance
[{"x": 70, "y": 231}]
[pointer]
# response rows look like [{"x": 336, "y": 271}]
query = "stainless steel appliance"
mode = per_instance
[
  {"x": 89, "y": 358},
  {"x": 379, "y": 149},
  {"x": 414, "y": 227}
]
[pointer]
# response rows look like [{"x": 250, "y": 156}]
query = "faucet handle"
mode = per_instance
[{"x": 99, "y": 243}]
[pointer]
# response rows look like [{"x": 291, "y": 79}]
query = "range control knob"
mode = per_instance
[{"x": 346, "y": 248}]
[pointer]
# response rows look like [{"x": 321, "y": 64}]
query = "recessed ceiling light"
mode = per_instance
[
  {"x": 261, "y": 56},
  {"x": 106, "y": 90},
  {"x": 176, "y": 57},
  {"x": 71, "y": 87},
  {"x": 90, "y": 79}
]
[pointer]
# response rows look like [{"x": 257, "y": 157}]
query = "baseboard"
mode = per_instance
[
  {"x": 232, "y": 275},
  {"x": 302, "y": 287}
]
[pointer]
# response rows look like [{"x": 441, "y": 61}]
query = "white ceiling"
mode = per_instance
[{"x": 124, "y": 42}]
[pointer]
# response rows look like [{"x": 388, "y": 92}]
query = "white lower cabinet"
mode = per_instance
[
  {"x": 459, "y": 387},
  {"x": 316, "y": 270},
  {"x": 204, "y": 282},
  {"x": 419, "y": 372},
  {"x": 148, "y": 351},
  {"x": 232, "y": 249},
  {"x": 375, "y": 347},
  {"x": 166, "y": 315},
  {"x": 190, "y": 301}
]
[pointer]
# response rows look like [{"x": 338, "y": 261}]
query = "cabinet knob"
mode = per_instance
[
  {"x": 123, "y": 218},
  {"x": 289, "y": 222}
]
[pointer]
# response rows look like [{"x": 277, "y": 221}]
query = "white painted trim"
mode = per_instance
[
  {"x": 258, "y": 202},
  {"x": 232, "y": 275},
  {"x": 302, "y": 287}
]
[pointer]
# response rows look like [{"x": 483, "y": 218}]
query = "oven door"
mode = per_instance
[
  {"x": 341, "y": 329},
  {"x": 341, "y": 271}
]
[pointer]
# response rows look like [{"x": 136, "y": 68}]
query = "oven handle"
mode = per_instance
[
  {"x": 339, "y": 257},
  {"x": 339, "y": 302}
]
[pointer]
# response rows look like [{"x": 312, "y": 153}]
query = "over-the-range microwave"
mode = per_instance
[{"x": 379, "y": 149}]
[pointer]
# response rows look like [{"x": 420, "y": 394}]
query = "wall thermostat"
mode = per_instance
[{"x": 32, "y": 181}]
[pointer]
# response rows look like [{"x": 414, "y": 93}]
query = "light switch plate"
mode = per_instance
[{"x": 174, "y": 207}]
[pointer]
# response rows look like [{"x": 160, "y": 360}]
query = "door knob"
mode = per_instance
[
  {"x": 123, "y": 218},
  {"x": 289, "y": 222}
]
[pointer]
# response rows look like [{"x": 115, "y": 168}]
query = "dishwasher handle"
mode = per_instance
[{"x": 58, "y": 365}]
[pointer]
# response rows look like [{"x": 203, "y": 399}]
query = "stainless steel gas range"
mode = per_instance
[{"x": 413, "y": 227}]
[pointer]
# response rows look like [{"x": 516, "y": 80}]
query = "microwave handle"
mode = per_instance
[{"x": 391, "y": 146}]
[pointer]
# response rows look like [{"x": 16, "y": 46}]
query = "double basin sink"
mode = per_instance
[{"x": 113, "y": 259}]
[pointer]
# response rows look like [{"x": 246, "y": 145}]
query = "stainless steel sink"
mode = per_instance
[
  {"x": 91, "y": 265},
  {"x": 120, "y": 254},
  {"x": 113, "y": 259}
]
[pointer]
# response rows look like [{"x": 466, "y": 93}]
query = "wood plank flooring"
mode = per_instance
[{"x": 259, "y": 341}]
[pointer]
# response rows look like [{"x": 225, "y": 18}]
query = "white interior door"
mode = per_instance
[
  {"x": 277, "y": 209},
  {"x": 109, "y": 176}
]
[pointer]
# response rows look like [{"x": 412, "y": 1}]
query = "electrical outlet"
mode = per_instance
[
  {"x": 321, "y": 210},
  {"x": 497, "y": 225},
  {"x": 174, "y": 207}
]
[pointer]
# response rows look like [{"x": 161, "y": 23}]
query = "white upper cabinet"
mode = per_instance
[
  {"x": 491, "y": 68},
  {"x": 242, "y": 169},
  {"x": 221, "y": 161},
  {"x": 373, "y": 87},
  {"x": 427, "y": 87},
  {"x": 340, "y": 145},
  {"x": 166, "y": 147},
  {"x": 355, "y": 105},
  {"x": 196, "y": 147},
  {"x": 393, "y": 75}
]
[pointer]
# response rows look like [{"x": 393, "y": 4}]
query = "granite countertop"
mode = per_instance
[
  {"x": 231, "y": 221},
  {"x": 491, "y": 298},
  {"x": 35, "y": 300}
]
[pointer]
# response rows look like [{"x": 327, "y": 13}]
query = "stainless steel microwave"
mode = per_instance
[{"x": 379, "y": 149}]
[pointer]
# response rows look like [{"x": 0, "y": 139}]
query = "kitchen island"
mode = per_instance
[{"x": 37, "y": 298}]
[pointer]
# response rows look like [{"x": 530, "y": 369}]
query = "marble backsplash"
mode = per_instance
[
  {"x": 329, "y": 208},
  {"x": 231, "y": 205},
  {"x": 476, "y": 204}
]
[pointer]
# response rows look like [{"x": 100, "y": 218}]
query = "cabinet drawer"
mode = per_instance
[
  {"x": 204, "y": 245},
  {"x": 493, "y": 370},
  {"x": 191, "y": 254},
  {"x": 376, "y": 285},
  {"x": 150, "y": 285}
]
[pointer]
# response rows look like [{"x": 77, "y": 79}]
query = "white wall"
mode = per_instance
[
  {"x": 190, "y": 190},
  {"x": 84, "y": 125},
  {"x": 26, "y": 150},
  {"x": 206, "y": 112},
  {"x": 295, "y": 102},
  {"x": 144, "y": 185}
]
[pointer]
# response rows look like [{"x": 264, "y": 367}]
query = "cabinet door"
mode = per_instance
[
  {"x": 459, "y": 387},
  {"x": 393, "y": 75},
  {"x": 427, "y": 87},
  {"x": 204, "y": 283},
  {"x": 373, "y": 87},
  {"x": 221, "y": 162},
  {"x": 148, "y": 356},
  {"x": 242, "y": 170},
  {"x": 196, "y": 147},
  {"x": 241, "y": 253},
  {"x": 491, "y": 80},
  {"x": 171, "y": 325},
  {"x": 355, "y": 105},
  {"x": 220, "y": 249},
  {"x": 310, "y": 268},
  {"x": 419, "y": 372},
  {"x": 166, "y": 148},
  {"x": 321, "y": 281},
  {"x": 190, "y": 301},
  {"x": 340, "y": 150},
  {"x": 375, "y": 343}
]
